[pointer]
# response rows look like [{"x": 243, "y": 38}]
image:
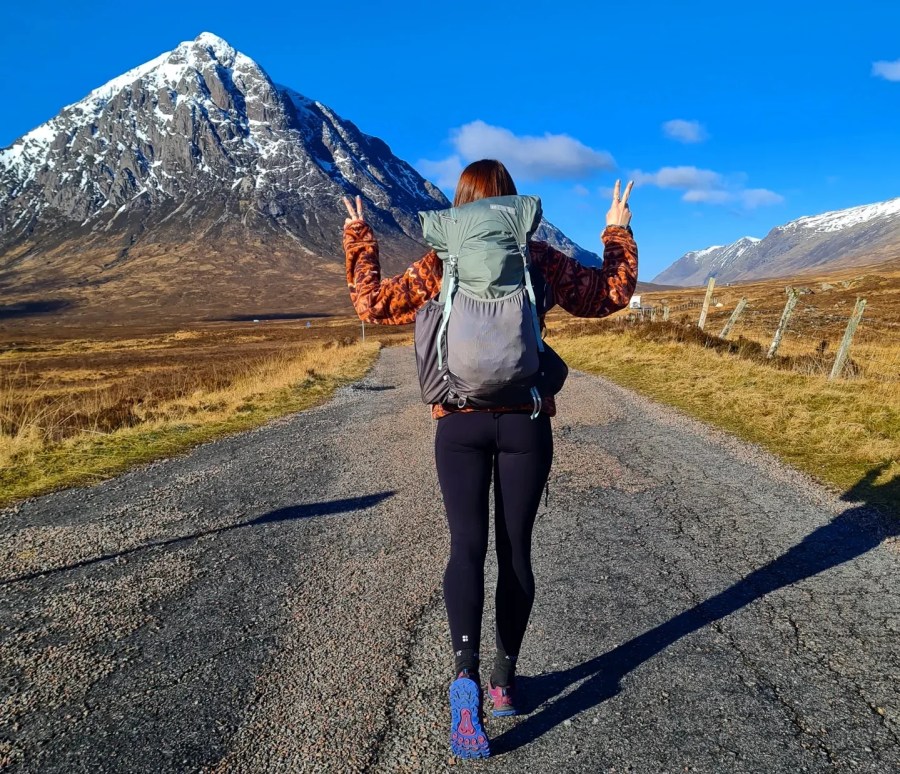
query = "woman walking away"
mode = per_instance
[{"x": 493, "y": 418}]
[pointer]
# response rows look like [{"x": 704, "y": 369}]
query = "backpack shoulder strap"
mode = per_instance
[
  {"x": 451, "y": 273},
  {"x": 433, "y": 230},
  {"x": 528, "y": 218}
]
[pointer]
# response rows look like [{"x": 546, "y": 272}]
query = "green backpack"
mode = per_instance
[{"x": 479, "y": 342}]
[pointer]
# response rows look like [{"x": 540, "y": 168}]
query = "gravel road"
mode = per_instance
[{"x": 272, "y": 602}]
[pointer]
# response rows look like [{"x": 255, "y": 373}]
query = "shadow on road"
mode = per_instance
[
  {"x": 305, "y": 511},
  {"x": 850, "y": 535}
]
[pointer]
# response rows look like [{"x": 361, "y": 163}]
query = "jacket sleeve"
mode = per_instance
[
  {"x": 393, "y": 301},
  {"x": 586, "y": 291}
]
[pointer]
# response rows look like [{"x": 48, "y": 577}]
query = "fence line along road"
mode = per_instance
[{"x": 652, "y": 313}]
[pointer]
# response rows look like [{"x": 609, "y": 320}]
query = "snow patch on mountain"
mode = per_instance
[
  {"x": 101, "y": 95},
  {"x": 841, "y": 219},
  {"x": 698, "y": 255}
]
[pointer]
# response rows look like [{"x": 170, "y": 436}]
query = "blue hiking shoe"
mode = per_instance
[{"x": 467, "y": 736}]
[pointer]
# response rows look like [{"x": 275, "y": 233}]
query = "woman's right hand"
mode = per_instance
[
  {"x": 356, "y": 215},
  {"x": 619, "y": 213}
]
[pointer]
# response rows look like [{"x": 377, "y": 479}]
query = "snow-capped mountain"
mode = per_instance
[
  {"x": 714, "y": 258},
  {"x": 547, "y": 232},
  {"x": 200, "y": 138},
  {"x": 194, "y": 183},
  {"x": 855, "y": 236}
]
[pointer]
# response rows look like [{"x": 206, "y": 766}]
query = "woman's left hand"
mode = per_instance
[
  {"x": 356, "y": 215},
  {"x": 620, "y": 213}
]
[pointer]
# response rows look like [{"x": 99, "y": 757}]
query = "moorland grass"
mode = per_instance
[
  {"x": 37, "y": 456},
  {"x": 95, "y": 415}
]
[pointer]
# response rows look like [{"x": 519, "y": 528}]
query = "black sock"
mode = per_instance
[
  {"x": 504, "y": 669},
  {"x": 467, "y": 659}
]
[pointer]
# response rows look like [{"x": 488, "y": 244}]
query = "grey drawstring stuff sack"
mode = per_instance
[{"x": 479, "y": 342}]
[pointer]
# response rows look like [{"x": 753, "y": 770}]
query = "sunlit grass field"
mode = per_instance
[{"x": 77, "y": 411}]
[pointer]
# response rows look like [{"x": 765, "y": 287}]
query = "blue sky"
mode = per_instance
[{"x": 732, "y": 120}]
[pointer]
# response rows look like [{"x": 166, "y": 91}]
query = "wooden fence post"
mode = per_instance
[
  {"x": 665, "y": 313},
  {"x": 793, "y": 295},
  {"x": 848, "y": 337},
  {"x": 709, "y": 290},
  {"x": 733, "y": 319},
  {"x": 363, "y": 330}
]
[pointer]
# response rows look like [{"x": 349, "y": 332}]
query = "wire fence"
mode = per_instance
[{"x": 811, "y": 330}]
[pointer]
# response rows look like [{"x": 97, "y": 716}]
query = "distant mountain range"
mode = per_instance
[
  {"x": 193, "y": 186},
  {"x": 844, "y": 238}
]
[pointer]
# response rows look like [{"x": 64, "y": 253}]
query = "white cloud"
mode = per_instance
[
  {"x": 890, "y": 71},
  {"x": 685, "y": 131},
  {"x": 759, "y": 197},
  {"x": 527, "y": 157},
  {"x": 678, "y": 177},
  {"x": 530, "y": 157},
  {"x": 581, "y": 190},
  {"x": 707, "y": 196},
  {"x": 444, "y": 172},
  {"x": 707, "y": 187}
]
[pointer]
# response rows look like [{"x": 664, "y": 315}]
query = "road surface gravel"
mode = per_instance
[{"x": 271, "y": 602}]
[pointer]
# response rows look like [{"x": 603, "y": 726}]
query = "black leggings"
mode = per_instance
[{"x": 518, "y": 451}]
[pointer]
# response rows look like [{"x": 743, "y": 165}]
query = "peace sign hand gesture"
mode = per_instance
[
  {"x": 619, "y": 213},
  {"x": 356, "y": 215}
]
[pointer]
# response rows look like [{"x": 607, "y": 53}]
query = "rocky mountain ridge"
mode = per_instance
[
  {"x": 193, "y": 185},
  {"x": 204, "y": 127},
  {"x": 855, "y": 236}
]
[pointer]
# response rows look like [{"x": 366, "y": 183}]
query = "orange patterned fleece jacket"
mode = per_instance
[{"x": 582, "y": 291}]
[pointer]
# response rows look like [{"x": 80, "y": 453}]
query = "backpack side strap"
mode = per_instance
[
  {"x": 523, "y": 248},
  {"x": 527, "y": 220},
  {"x": 452, "y": 266}
]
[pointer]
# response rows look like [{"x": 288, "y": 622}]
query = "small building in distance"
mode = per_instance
[{"x": 635, "y": 302}]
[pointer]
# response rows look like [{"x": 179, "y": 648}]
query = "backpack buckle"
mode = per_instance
[{"x": 537, "y": 401}]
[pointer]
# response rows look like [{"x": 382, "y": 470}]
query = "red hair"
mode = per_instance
[{"x": 483, "y": 179}]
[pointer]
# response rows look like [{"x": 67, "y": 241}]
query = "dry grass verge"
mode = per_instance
[
  {"x": 57, "y": 431},
  {"x": 840, "y": 432}
]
